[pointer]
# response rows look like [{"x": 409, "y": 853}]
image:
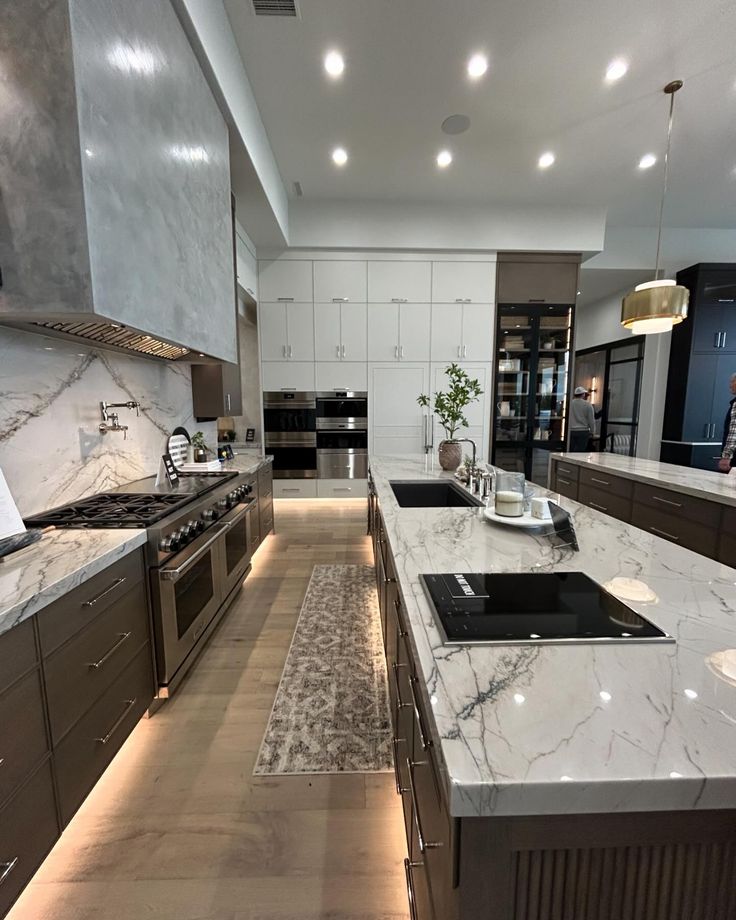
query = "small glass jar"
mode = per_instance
[{"x": 509, "y": 494}]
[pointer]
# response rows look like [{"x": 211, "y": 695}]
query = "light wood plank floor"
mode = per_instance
[{"x": 178, "y": 828}]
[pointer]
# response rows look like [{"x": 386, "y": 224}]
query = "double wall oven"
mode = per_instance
[
  {"x": 290, "y": 433},
  {"x": 342, "y": 434}
]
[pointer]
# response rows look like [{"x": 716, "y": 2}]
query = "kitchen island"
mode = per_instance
[
  {"x": 695, "y": 508},
  {"x": 581, "y": 781}
]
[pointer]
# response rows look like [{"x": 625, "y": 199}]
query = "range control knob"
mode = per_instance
[
  {"x": 224, "y": 504},
  {"x": 247, "y": 489},
  {"x": 209, "y": 515},
  {"x": 198, "y": 526},
  {"x": 169, "y": 544}
]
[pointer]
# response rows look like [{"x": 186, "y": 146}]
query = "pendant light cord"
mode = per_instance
[{"x": 664, "y": 184}]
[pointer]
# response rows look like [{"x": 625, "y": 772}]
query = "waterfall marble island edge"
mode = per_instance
[{"x": 551, "y": 730}]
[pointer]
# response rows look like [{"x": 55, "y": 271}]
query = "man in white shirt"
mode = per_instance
[
  {"x": 728, "y": 445},
  {"x": 582, "y": 420}
]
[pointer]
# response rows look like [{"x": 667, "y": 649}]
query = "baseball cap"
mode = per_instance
[{"x": 580, "y": 391}]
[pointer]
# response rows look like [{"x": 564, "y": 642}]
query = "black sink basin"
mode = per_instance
[{"x": 439, "y": 494}]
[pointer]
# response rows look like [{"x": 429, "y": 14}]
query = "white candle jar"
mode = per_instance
[{"x": 509, "y": 496}]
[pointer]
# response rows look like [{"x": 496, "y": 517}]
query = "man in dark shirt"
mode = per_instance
[{"x": 728, "y": 445}]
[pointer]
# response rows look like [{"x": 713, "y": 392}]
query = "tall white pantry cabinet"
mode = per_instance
[{"x": 388, "y": 325}]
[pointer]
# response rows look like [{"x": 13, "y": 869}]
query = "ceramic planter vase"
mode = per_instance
[{"x": 450, "y": 455}]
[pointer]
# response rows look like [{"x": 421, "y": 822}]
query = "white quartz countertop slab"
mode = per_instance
[
  {"x": 247, "y": 461},
  {"x": 713, "y": 486},
  {"x": 38, "y": 575},
  {"x": 545, "y": 729}
]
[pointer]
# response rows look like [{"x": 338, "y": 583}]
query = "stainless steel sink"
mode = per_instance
[{"x": 434, "y": 494}]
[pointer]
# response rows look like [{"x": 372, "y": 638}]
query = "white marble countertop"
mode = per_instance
[
  {"x": 713, "y": 486},
  {"x": 36, "y": 576},
  {"x": 531, "y": 730},
  {"x": 247, "y": 461}
]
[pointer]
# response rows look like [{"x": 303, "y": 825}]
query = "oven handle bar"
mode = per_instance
[{"x": 176, "y": 574}]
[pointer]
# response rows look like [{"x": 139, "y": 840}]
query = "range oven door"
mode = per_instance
[
  {"x": 294, "y": 456},
  {"x": 187, "y": 593},
  {"x": 237, "y": 545}
]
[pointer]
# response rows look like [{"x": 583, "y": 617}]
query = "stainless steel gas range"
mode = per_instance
[{"x": 198, "y": 552}]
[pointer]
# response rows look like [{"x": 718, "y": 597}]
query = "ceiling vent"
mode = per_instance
[{"x": 276, "y": 8}]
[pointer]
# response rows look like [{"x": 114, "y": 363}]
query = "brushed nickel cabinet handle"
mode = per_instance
[
  {"x": 129, "y": 704},
  {"x": 110, "y": 588},
  {"x": 598, "y": 507},
  {"x": 565, "y": 482},
  {"x": 400, "y": 704},
  {"x": 423, "y": 844},
  {"x": 425, "y": 742},
  {"x": 601, "y": 482},
  {"x": 398, "y": 300},
  {"x": 111, "y": 651},
  {"x": 340, "y": 299},
  {"x": 7, "y": 868},
  {"x": 666, "y": 501},
  {"x": 397, "y": 779},
  {"x": 396, "y": 352},
  {"x": 337, "y": 350},
  {"x": 408, "y": 866},
  {"x": 285, "y": 299},
  {"x": 663, "y": 533}
]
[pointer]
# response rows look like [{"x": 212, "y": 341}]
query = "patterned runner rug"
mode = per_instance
[{"x": 331, "y": 713}]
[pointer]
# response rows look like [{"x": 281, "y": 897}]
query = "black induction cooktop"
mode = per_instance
[{"x": 532, "y": 608}]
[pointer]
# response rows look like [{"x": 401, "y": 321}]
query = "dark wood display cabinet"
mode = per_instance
[
  {"x": 531, "y": 386},
  {"x": 702, "y": 360}
]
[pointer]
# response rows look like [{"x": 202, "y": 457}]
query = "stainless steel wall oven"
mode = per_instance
[
  {"x": 289, "y": 425},
  {"x": 342, "y": 435}
]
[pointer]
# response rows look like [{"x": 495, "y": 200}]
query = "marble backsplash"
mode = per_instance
[{"x": 51, "y": 451}]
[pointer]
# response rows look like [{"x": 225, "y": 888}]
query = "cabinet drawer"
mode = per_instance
[
  {"x": 295, "y": 488},
  {"x": 28, "y": 830},
  {"x": 266, "y": 521},
  {"x": 63, "y": 618},
  {"x": 607, "y": 502},
  {"x": 614, "y": 485},
  {"x": 17, "y": 653},
  {"x": 565, "y": 486},
  {"x": 23, "y": 741},
  {"x": 677, "y": 529},
  {"x": 727, "y": 549},
  {"x": 84, "y": 667},
  {"x": 568, "y": 470},
  {"x": 90, "y": 746},
  {"x": 342, "y": 488},
  {"x": 695, "y": 510}
]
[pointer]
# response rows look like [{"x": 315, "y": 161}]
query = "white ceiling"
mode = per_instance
[{"x": 405, "y": 73}]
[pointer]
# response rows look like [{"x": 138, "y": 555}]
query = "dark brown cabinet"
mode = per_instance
[
  {"x": 216, "y": 391},
  {"x": 536, "y": 278},
  {"x": 265, "y": 500}
]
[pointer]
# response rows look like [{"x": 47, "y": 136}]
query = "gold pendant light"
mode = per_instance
[{"x": 656, "y": 306}]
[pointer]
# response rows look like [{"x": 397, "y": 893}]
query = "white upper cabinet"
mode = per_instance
[
  {"x": 288, "y": 375},
  {"x": 399, "y": 282},
  {"x": 287, "y": 331},
  {"x": 340, "y": 281},
  {"x": 414, "y": 327},
  {"x": 447, "y": 332},
  {"x": 285, "y": 280},
  {"x": 463, "y": 282},
  {"x": 246, "y": 268},
  {"x": 353, "y": 332},
  {"x": 327, "y": 342},
  {"x": 478, "y": 328},
  {"x": 345, "y": 375},
  {"x": 383, "y": 332}
]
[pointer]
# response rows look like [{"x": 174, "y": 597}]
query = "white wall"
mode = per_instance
[
  {"x": 598, "y": 324},
  {"x": 390, "y": 225}
]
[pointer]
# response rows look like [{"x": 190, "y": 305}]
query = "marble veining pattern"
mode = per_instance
[
  {"x": 40, "y": 574},
  {"x": 580, "y": 728},
  {"x": 331, "y": 709},
  {"x": 713, "y": 486},
  {"x": 51, "y": 450}
]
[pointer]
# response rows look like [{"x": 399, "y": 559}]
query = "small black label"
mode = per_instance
[
  {"x": 250, "y": 434},
  {"x": 289, "y": 395},
  {"x": 171, "y": 473}
]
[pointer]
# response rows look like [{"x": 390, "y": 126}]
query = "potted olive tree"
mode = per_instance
[{"x": 450, "y": 409}]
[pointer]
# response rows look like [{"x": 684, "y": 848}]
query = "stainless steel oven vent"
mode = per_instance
[
  {"x": 111, "y": 334},
  {"x": 275, "y": 8}
]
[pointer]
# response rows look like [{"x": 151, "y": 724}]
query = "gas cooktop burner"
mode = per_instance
[
  {"x": 112, "y": 509},
  {"x": 519, "y": 608}
]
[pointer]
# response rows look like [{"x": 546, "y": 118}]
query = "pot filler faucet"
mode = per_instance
[{"x": 110, "y": 420}]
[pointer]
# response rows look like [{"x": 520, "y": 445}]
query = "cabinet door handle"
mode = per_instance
[
  {"x": 290, "y": 352},
  {"x": 401, "y": 352},
  {"x": 458, "y": 350},
  {"x": 228, "y": 403},
  {"x": 122, "y": 637},
  {"x": 397, "y": 779},
  {"x": 340, "y": 299},
  {"x": 723, "y": 340},
  {"x": 601, "y": 482},
  {"x": 463, "y": 300},
  {"x": 337, "y": 350},
  {"x": 465, "y": 351},
  {"x": 398, "y": 300},
  {"x": 425, "y": 742},
  {"x": 706, "y": 431},
  {"x": 717, "y": 342},
  {"x": 408, "y": 866},
  {"x": 129, "y": 704},
  {"x": 666, "y": 501},
  {"x": 423, "y": 844},
  {"x": 396, "y": 352},
  {"x": 663, "y": 533},
  {"x": 291, "y": 490},
  {"x": 285, "y": 299},
  {"x": 116, "y": 584},
  {"x": 725, "y": 300},
  {"x": 598, "y": 507},
  {"x": 283, "y": 351},
  {"x": 565, "y": 482},
  {"x": 7, "y": 868},
  {"x": 343, "y": 351}
]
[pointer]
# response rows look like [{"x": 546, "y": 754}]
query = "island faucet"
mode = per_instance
[
  {"x": 472, "y": 442},
  {"x": 110, "y": 420}
]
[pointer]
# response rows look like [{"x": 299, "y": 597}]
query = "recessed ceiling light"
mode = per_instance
[
  {"x": 546, "y": 160},
  {"x": 444, "y": 158},
  {"x": 647, "y": 160},
  {"x": 615, "y": 70},
  {"x": 339, "y": 156},
  {"x": 477, "y": 66},
  {"x": 334, "y": 63}
]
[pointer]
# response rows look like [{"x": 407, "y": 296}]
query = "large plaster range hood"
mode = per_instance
[{"x": 115, "y": 217}]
